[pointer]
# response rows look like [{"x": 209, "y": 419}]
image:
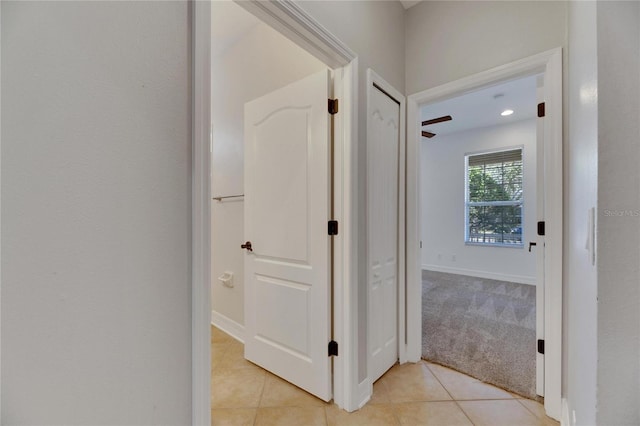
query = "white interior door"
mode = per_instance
[
  {"x": 287, "y": 202},
  {"x": 383, "y": 148}
]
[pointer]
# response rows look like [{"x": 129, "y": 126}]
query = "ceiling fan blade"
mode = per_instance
[
  {"x": 428, "y": 134},
  {"x": 437, "y": 120}
]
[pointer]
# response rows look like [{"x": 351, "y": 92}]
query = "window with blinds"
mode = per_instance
[{"x": 494, "y": 201}]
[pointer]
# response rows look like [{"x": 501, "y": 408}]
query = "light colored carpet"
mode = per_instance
[{"x": 484, "y": 328}]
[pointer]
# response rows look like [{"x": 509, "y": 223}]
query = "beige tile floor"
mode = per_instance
[{"x": 411, "y": 394}]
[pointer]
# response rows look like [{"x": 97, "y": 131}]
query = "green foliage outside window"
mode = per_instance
[{"x": 494, "y": 198}]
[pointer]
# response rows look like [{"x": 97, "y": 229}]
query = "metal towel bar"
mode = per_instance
[{"x": 227, "y": 196}]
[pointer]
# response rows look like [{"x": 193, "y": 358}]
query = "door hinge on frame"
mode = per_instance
[
  {"x": 541, "y": 346},
  {"x": 333, "y": 348},
  {"x": 333, "y": 106},
  {"x": 332, "y": 227},
  {"x": 541, "y": 109},
  {"x": 541, "y": 226}
]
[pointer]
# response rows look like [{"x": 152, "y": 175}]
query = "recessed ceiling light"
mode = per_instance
[{"x": 506, "y": 112}]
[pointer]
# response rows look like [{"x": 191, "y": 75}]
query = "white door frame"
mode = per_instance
[
  {"x": 292, "y": 21},
  {"x": 0, "y": 237},
  {"x": 375, "y": 78},
  {"x": 549, "y": 63}
]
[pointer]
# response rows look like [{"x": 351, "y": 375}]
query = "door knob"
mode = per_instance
[
  {"x": 530, "y": 244},
  {"x": 247, "y": 246}
]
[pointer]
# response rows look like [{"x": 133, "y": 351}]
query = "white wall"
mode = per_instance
[
  {"x": 618, "y": 26},
  {"x": 374, "y": 30},
  {"x": 260, "y": 62},
  {"x": 581, "y": 153},
  {"x": 448, "y": 40},
  {"x": 96, "y": 196},
  {"x": 443, "y": 195}
]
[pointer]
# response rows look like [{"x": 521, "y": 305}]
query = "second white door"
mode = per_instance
[{"x": 383, "y": 155}]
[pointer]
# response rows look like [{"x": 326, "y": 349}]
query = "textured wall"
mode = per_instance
[{"x": 96, "y": 196}]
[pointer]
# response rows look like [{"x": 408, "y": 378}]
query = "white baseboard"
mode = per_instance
[
  {"x": 520, "y": 279},
  {"x": 365, "y": 391},
  {"x": 565, "y": 420},
  {"x": 228, "y": 325}
]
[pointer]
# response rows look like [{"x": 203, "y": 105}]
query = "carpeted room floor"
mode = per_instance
[{"x": 484, "y": 328}]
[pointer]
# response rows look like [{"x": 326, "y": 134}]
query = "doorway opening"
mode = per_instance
[
  {"x": 243, "y": 69},
  {"x": 253, "y": 51},
  {"x": 479, "y": 191},
  {"x": 548, "y": 224}
]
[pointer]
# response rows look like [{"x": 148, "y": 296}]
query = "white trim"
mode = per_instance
[
  {"x": 345, "y": 297},
  {"x": 565, "y": 420},
  {"x": 346, "y": 293},
  {"x": 201, "y": 213},
  {"x": 375, "y": 78},
  {"x": 539, "y": 239},
  {"x": 365, "y": 392},
  {"x": 553, "y": 206},
  {"x": 300, "y": 27},
  {"x": 520, "y": 279},
  {"x": 414, "y": 243},
  {"x": 0, "y": 233},
  {"x": 292, "y": 21},
  {"x": 228, "y": 325},
  {"x": 549, "y": 63},
  {"x": 521, "y": 68}
]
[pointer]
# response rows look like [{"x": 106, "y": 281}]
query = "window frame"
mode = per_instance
[{"x": 467, "y": 203}]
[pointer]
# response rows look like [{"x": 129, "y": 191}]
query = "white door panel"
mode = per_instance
[
  {"x": 281, "y": 153},
  {"x": 287, "y": 190},
  {"x": 383, "y": 146}
]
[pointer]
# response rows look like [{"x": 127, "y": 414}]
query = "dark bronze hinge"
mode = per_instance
[
  {"x": 541, "y": 346},
  {"x": 541, "y": 227},
  {"x": 333, "y": 106},
  {"x": 333, "y": 348},
  {"x": 541, "y": 109},
  {"x": 332, "y": 227}
]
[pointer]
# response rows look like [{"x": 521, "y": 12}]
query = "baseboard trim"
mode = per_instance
[
  {"x": 565, "y": 420},
  {"x": 520, "y": 279},
  {"x": 228, "y": 325},
  {"x": 365, "y": 391}
]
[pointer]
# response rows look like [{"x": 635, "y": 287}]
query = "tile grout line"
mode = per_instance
[
  {"x": 326, "y": 415},
  {"x": 264, "y": 385},
  {"x": 394, "y": 405},
  {"x": 480, "y": 400},
  {"x": 449, "y": 393},
  {"x": 531, "y": 411}
]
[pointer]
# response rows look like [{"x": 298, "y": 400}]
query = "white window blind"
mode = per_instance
[{"x": 494, "y": 199}]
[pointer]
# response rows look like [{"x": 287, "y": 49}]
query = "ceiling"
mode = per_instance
[
  {"x": 229, "y": 22},
  {"x": 482, "y": 109}
]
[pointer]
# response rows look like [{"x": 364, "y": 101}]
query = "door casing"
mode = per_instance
[{"x": 549, "y": 64}]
